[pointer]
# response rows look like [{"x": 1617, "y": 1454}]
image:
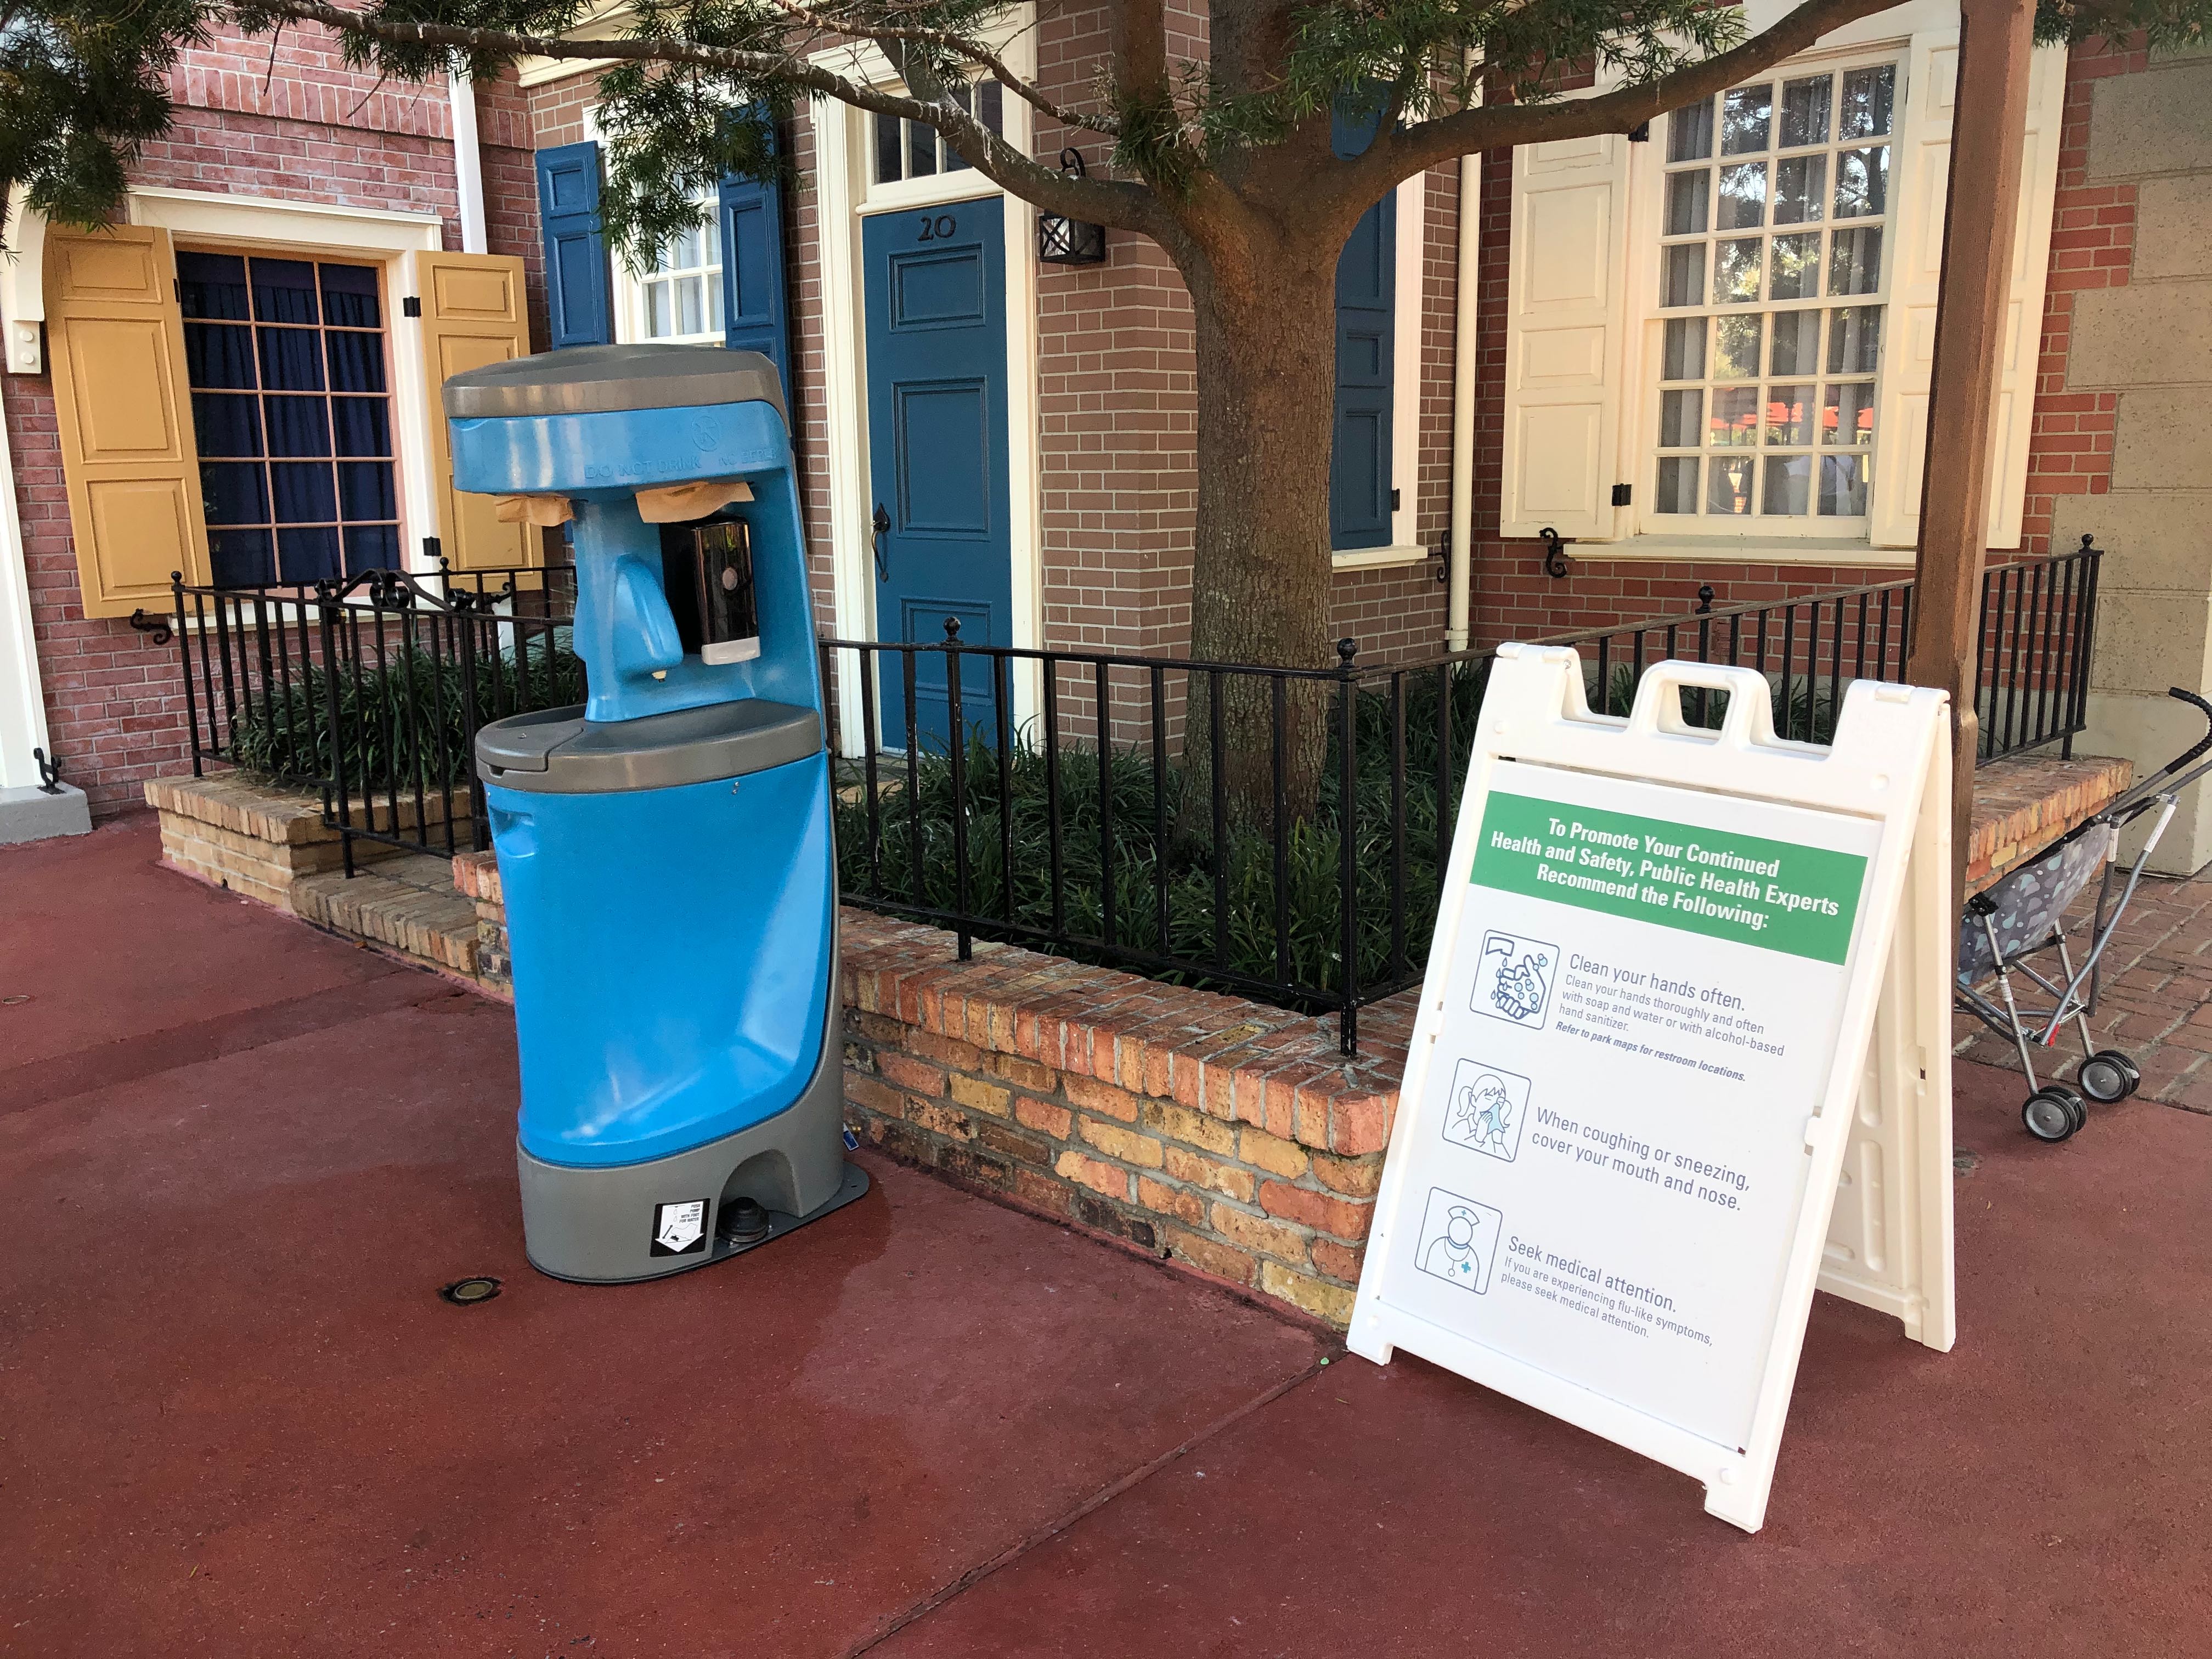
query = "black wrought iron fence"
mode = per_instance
[
  {"x": 370, "y": 690},
  {"x": 2033, "y": 639},
  {"x": 1278, "y": 832},
  {"x": 1274, "y": 831}
]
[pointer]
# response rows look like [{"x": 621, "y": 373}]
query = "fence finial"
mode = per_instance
[
  {"x": 952, "y": 631},
  {"x": 1346, "y": 651}
]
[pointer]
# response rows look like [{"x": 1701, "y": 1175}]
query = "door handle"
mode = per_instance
[{"x": 882, "y": 528}]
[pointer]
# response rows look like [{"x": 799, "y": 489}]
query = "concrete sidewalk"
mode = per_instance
[{"x": 237, "y": 1160}]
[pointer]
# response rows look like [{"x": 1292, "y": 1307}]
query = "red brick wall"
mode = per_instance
[
  {"x": 1117, "y": 390},
  {"x": 1221, "y": 1133},
  {"x": 1117, "y": 393},
  {"x": 114, "y": 700},
  {"x": 2092, "y": 247},
  {"x": 296, "y": 127}
]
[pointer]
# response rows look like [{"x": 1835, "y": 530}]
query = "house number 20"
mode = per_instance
[{"x": 937, "y": 229}]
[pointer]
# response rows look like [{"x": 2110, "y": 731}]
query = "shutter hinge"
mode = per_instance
[
  {"x": 1621, "y": 493},
  {"x": 411, "y": 306},
  {"x": 1395, "y": 495},
  {"x": 1640, "y": 134}
]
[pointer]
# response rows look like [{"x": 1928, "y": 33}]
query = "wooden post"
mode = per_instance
[{"x": 1996, "y": 41}]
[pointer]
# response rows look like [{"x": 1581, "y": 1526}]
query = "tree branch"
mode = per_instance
[
  {"x": 1395, "y": 156},
  {"x": 973, "y": 51},
  {"x": 1108, "y": 202}
]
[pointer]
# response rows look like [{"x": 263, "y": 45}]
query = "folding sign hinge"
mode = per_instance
[
  {"x": 1620, "y": 495},
  {"x": 411, "y": 306}
]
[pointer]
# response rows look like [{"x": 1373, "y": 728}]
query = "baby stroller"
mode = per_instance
[{"x": 2023, "y": 916}]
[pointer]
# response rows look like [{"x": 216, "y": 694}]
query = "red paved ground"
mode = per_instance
[
  {"x": 234, "y": 1418},
  {"x": 2042, "y": 1490}
]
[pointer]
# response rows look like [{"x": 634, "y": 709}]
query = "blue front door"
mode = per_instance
[{"x": 936, "y": 283}]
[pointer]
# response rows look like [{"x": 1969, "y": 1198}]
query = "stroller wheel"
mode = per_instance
[
  {"x": 2053, "y": 1114},
  {"x": 2108, "y": 1075}
]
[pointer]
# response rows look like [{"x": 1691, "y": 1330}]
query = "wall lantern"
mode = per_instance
[{"x": 1063, "y": 241}]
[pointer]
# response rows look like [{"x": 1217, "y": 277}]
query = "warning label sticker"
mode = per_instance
[{"x": 679, "y": 1229}]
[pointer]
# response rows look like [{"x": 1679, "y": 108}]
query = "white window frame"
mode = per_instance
[
  {"x": 957, "y": 185},
  {"x": 1642, "y": 391},
  {"x": 627, "y": 289},
  {"x": 1922, "y": 34}
]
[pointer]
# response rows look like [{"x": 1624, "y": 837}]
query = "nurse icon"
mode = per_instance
[{"x": 1459, "y": 1237}]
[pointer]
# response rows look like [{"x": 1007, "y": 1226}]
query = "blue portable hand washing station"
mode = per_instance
[{"x": 665, "y": 849}]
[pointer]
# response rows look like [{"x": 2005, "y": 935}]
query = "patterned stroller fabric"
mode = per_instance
[{"x": 2029, "y": 902}]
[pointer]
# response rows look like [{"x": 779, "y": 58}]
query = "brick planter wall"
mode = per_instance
[
  {"x": 476, "y": 875},
  {"x": 235, "y": 833},
  {"x": 1227, "y": 1135}
]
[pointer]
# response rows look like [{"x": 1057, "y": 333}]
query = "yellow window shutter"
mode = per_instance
[
  {"x": 472, "y": 314},
  {"x": 116, "y": 340}
]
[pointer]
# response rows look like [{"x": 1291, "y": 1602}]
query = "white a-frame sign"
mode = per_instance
[{"x": 1683, "y": 1052}]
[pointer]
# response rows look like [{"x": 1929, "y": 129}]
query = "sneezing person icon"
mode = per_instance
[
  {"x": 1486, "y": 1108},
  {"x": 1481, "y": 1113}
]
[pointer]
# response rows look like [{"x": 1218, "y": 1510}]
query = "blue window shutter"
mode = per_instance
[
  {"x": 754, "y": 310},
  {"x": 579, "y": 292},
  {"x": 1366, "y": 298}
]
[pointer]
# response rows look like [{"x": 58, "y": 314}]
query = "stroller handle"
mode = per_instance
[{"x": 2203, "y": 742}]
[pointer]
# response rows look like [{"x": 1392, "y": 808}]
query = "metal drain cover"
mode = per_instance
[{"x": 467, "y": 1292}]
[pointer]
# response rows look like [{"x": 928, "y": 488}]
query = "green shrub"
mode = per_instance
[
  {"x": 402, "y": 721},
  {"x": 921, "y": 821}
]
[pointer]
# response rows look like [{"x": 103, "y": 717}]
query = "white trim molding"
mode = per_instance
[
  {"x": 23, "y": 285},
  {"x": 600, "y": 21},
  {"x": 211, "y": 216},
  {"x": 1843, "y": 551},
  {"x": 22, "y": 692},
  {"x": 1409, "y": 291},
  {"x": 1379, "y": 558},
  {"x": 468, "y": 163}
]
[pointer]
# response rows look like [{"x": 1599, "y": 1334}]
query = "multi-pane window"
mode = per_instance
[
  {"x": 908, "y": 149},
  {"x": 1776, "y": 199},
  {"x": 293, "y": 416},
  {"x": 680, "y": 299}
]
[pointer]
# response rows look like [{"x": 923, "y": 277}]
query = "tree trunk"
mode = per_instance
[
  {"x": 1260, "y": 571},
  {"x": 1266, "y": 378}
]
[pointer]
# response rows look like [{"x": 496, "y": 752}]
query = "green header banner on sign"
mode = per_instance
[{"x": 1776, "y": 895}]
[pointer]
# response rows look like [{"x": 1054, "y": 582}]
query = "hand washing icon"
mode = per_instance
[{"x": 1514, "y": 981}]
